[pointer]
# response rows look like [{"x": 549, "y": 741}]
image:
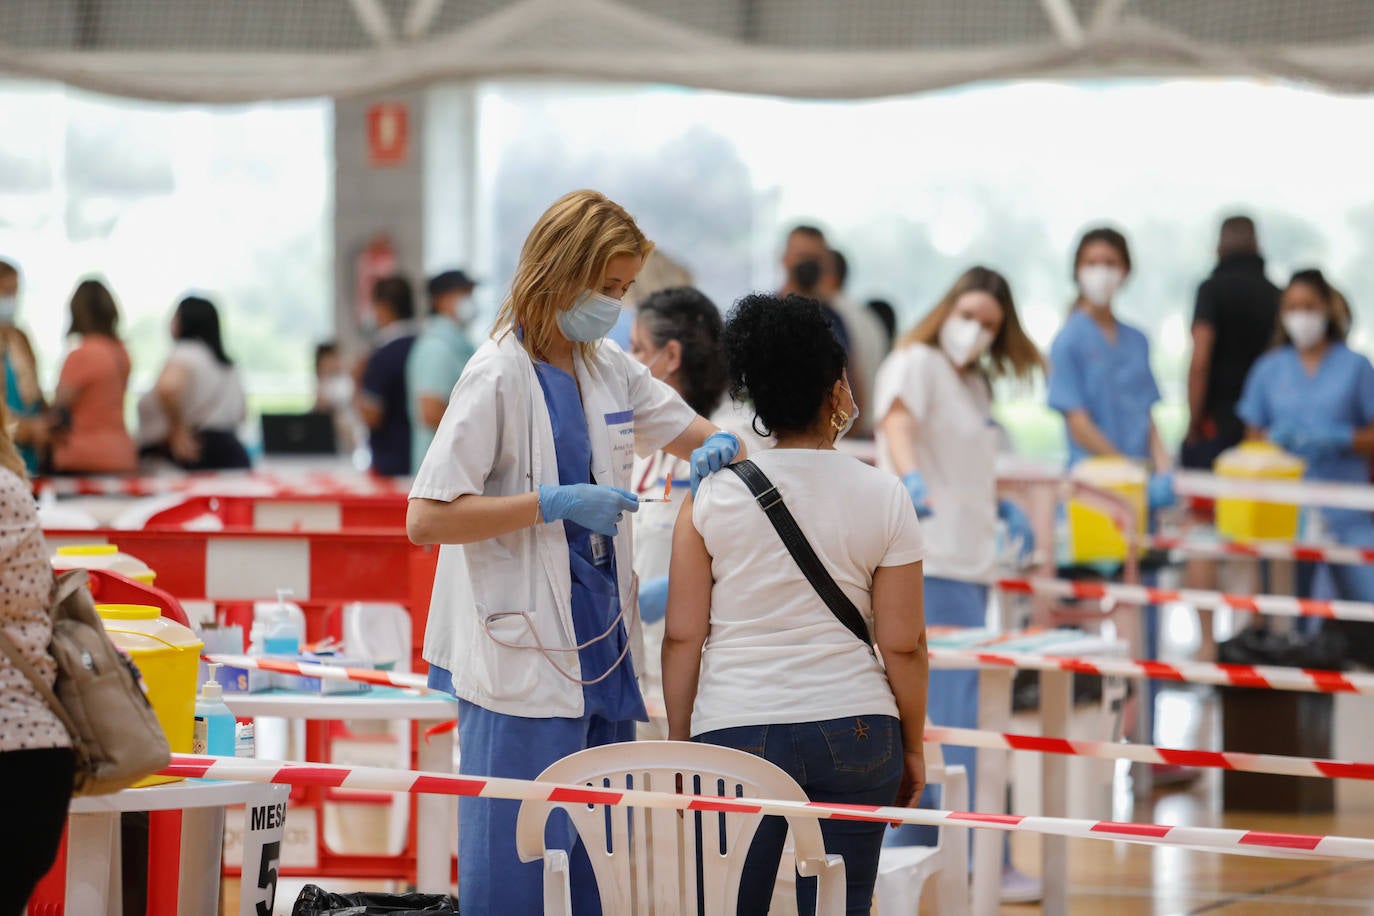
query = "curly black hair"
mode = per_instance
[
  {"x": 685, "y": 314},
  {"x": 783, "y": 356}
]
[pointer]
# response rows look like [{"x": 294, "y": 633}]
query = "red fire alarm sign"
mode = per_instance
[{"x": 388, "y": 134}]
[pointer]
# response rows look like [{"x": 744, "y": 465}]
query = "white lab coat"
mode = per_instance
[{"x": 496, "y": 439}]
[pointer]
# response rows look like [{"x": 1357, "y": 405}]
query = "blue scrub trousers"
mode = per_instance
[
  {"x": 953, "y": 698},
  {"x": 492, "y": 877}
]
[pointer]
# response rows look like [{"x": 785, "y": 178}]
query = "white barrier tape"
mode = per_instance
[
  {"x": 1296, "y": 493},
  {"x": 1272, "y": 677},
  {"x": 1148, "y": 753},
  {"x": 1272, "y": 605},
  {"x": 328, "y": 672},
  {"x": 1265, "y": 550},
  {"x": 1213, "y": 839}
]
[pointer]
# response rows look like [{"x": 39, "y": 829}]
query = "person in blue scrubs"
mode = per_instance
[
  {"x": 532, "y": 622},
  {"x": 1101, "y": 381},
  {"x": 1314, "y": 396}
]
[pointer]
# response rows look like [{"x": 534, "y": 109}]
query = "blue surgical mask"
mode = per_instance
[{"x": 591, "y": 317}]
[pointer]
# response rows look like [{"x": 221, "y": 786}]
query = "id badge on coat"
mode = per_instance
[
  {"x": 620, "y": 428},
  {"x": 601, "y": 549}
]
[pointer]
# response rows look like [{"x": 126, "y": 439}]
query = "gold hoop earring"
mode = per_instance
[{"x": 838, "y": 419}]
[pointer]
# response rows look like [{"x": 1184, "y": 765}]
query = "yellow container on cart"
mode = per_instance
[
  {"x": 166, "y": 654},
  {"x": 104, "y": 556},
  {"x": 1093, "y": 536},
  {"x": 1248, "y": 519}
]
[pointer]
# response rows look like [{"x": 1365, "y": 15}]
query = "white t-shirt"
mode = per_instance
[
  {"x": 776, "y": 653},
  {"x": 213, "y": 398},
  {"x": 956, "y": 450}
]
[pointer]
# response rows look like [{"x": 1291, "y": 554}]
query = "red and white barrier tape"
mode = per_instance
[
  {"x": 328, "y": 672},
  {"x": 1272, "y": 605},
  {"x": 1272, "y": 677},
  {"x": 1241, "y": 842},
  {"x": 1294, "y": 493},
  {"x": 1148, "y": 753},
  {"x": 1266, "y": 550}
]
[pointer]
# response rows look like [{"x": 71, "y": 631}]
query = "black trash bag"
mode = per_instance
[
  {"x": 1261, "y": 646},
  {"x": 316, "y": 901}
]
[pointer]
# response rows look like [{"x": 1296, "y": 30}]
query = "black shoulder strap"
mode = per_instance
[{"x": 770, "y": 501}]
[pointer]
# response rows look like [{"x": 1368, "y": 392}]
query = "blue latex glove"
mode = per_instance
[
  {"x": 590, "y": 505},
  {"x": 1161, "y": 492},
  {"x": 716, "y": 452},
  {"x": 916, "y": 487},
  {"x": 1315, "y": 441},
  {"x": 1018, "y": 526},
  {"x": 653, "y": 600}
]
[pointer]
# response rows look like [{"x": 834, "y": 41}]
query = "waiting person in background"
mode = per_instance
[
  {"x": 23, "y": 396},
  {"x": 334, "y": 390},
  {"x": 676, "y": 336},
  {"x": 193, "y": 413},
  {"x": 382, "y": 401},
  {"x": 887, "y": 317},
  {"x": 438, "y": 357},
  {"x": 88, "y": 428},
  {"x": 36, "y": 761},
  {"x": 936, "y": 432},
  {"x": 806, "y": 259},
  {"x": 1233, "y": 324},
  {"x": 753, "y": 658},
  {"x": 867, "y": 341},
  {"x": 1314, "y": 396},
  {"x": 660, "y": 272}
]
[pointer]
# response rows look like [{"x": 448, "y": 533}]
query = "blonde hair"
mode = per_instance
[
  {"x": 564, "y": 255},
  {"x": 9, "y": 455},
  {"x": 1012, "y": 353}
]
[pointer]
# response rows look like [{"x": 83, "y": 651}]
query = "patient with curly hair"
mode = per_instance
[{"x": 754, "y": 658}]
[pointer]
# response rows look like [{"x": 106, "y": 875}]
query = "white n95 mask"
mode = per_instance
[
  {"x": 964, "y": 340},
  {"x": 1305, "y": 329},
  {"x": 1099, "y": 282}
]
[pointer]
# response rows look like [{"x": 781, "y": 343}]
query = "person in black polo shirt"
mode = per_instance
[
  {"x": 1233, "y": 324},
  {"x": 382, "y": 401}
]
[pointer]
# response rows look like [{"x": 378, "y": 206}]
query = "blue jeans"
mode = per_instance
[{"x": 854, "y": 760}]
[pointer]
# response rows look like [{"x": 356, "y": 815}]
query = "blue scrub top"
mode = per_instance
[
  {"x": 1280, "y": 392},
  {"x": 1111, "y": 381},
  {"x": 595, "y": 590},
  {"x": 14, "y": 400}
]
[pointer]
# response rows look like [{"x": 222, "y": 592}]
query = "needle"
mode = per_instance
[{"x": 667, "y": 492}]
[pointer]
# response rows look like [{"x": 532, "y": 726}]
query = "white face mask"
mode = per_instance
[
  {"x": 1099, "y": 282},
  {"x": 1305, "y": 329},
  {"x": 337, "y": 390},
  {"x": 9, "y": 307},
  {"x": 964, "y": 340}
]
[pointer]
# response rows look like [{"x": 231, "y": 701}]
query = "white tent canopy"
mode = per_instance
[{"x": 246, "y": 50}]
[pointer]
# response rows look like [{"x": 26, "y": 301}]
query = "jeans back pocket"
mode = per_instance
[{"x": 861, "y": 744}]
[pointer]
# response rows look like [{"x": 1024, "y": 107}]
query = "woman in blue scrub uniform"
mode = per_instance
[
  {"x": 1314, "y": 396},
  {"x": 534, "y": 622}
]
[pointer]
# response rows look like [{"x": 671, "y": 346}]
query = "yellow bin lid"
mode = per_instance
[{"x": 135, "y": 626}]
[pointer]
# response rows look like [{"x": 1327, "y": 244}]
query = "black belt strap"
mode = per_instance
[{"x": 770, "y": 501}]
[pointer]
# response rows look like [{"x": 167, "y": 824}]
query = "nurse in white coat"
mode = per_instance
[
  {"x": 935, "y": 430},
  {"x": 534, "y": 622}
]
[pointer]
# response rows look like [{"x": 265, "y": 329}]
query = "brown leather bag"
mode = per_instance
[{"x": 98, "y": 695}]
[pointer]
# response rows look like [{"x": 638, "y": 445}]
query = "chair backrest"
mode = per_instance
[{"x": 645, "y": 859}]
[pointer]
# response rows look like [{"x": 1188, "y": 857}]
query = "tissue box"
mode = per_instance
[{"x": 322, "y": 686}]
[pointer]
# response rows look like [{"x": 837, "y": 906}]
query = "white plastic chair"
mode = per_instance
[
  {"x": 903, "y": 870},
  {"x": 648, "y": 863}
]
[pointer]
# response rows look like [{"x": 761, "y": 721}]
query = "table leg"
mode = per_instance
[
  {"x": 436, "y": 816},
  {"x": 990, "y": 795},
  {"x": 1056, "y": 705},
  {"x": 202, "y": 846},
  {"x": 91, "y": 843}
]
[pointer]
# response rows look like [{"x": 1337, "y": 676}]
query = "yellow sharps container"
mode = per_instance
[
  {"x": 1247, "y": 519},
  {"x": 104, "y": 556},
  {"x": 1093, "y": 536},
  {"x": 166, "y": 654}
]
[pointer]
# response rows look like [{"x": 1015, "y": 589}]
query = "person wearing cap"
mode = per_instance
[{"x": 438, "y": 357}]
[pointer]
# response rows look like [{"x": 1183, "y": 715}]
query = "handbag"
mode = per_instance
[
  {"x": 98, "y": 695},
  {"x": 770, "y": 501}
]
